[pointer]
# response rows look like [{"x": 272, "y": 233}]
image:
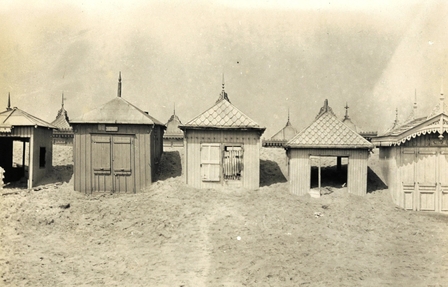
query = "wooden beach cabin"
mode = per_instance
[
  {"x": 280, "y": 138},
  {"x": 222, "y": 147},
  {"x": 414, "y": 161},
  {"x": 173, "y": 136},
  {"x": 64, "y": 132},
  {"x": 327, "y": 136},
  {"x": 33, "y": 136},
  {"x": 117, "y": 147}
]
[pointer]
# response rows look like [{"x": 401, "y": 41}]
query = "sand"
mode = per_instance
[{"x": 174, "y": 235}]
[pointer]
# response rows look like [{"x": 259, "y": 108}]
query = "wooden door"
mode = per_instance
[
  {"x": 443, "y": 180},
  {"x": 101, "y": 163},
  {"x": 426, "y": 178},
  {"x": 123, "y": 163},
  {"x": 407, "y": 175},
  {"x": 210, "y": 162}
]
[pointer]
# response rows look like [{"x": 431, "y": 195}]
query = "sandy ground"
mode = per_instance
[{"x": 175, "y": 235}]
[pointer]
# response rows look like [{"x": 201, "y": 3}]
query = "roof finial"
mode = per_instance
[
  {"x": 119, "y": 85},
  {"x": 8, "y": 108},
  {"x": 288, "y": 123},
  {"x": 346, "y": 117},
  {"x": 223, "y": 81},
  {"x": 62, "y": 99},
  {"x": 442, "y": 98},
  {"x": 223, "y": 95},
  {"x": 174, "y": 110}
]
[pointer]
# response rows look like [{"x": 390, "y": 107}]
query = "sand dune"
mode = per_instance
[{"x": 174, "y": 235}]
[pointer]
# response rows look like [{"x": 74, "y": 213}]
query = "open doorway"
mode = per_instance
[
  {"x": 15, "y": 161},
  {"x": 328, "y": 173}
]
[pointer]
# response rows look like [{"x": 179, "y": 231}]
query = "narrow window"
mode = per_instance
[
  {"x": 233, "y": 162},
  {"x": 42, "y": 153}
]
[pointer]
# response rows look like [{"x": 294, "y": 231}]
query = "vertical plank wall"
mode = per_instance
[
  {"x": 300, "y": 168},
  {"x": 250, "y": 141},
  {"x": 82, "y": 154},
  {"x": 42, "y": 137}
]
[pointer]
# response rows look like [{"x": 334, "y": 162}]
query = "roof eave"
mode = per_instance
[{"x": 329, "y": 146}]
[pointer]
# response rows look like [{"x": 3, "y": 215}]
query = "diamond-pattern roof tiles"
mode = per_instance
[
  {"x": 223, "y": 115},
  {"x": 328, "y": 132},
  {"x": 61, "y": 121}
]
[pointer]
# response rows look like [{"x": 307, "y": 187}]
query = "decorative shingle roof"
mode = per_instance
[
  {"x": 435, "y": 122},
  {"x": 15, "y": 117},
  {"x": 117, "y": 111},
  {"x": 286, "y": 133},
  {"x": 172, "y": 127},
  {"x": 222, "y": 115},
  {"x": 62, "y": 120},
  {"x": 328, "y": 132}
]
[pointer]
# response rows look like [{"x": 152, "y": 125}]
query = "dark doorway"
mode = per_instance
[
  {"x": 327, "y": 174},
  {"x": 14, "y": 159}
]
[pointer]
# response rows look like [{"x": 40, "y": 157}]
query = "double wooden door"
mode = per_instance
[
  {"x": 424, "y": 178},
  {"x": 113, "y": 163}
]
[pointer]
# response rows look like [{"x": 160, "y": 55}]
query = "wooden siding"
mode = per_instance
[
  {"x": 416, "y": 173},
  {"x": 23, "y": 132},
  {"x": 300, "y": 169},
  {"x": 42, "y": 138},
  {"x": 249, "y": 140},
  {"x": 139, "y": 143}
]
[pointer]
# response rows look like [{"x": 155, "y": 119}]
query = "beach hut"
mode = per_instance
[
  {"x": 282, "y": 136},
  {"x": 117, "y": 147},
  {"x": 414, "y": 160},
  {"x": 173, "y": 136},
  {"x": 33, "y": 137},
  {"x": 327, "y": 136},
  {"x": 222, "y": 147},
  {"x": 64, "y": 132}
]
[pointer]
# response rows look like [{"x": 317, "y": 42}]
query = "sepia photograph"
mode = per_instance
[{"x": 188, "y": 143}]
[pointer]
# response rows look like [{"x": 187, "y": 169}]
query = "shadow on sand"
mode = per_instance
[
  {"x": 270, "y": 173},
  {"x": 58, "y": 174},
  {"x": 374, "y": 182},
  {"x": 170, "y": 166}
]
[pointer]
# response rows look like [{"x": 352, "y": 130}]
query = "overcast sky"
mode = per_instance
[{"x": 274, "y": 54}]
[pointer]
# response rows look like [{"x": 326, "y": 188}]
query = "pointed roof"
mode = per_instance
[
  {"x": 286, "y": 133},
  {"x": 223, "y": 115},
  {"x": 347, "y": 121},
  {"x": 62, "y": 120},
  {"x": 117, "y": 111},
  {"x": 395, "y": 124},
  {"x": 172, "y": 126},
  {"x": 15, "y": 117},
  {"x": 328, "y": 132},
  {"x": 435, "y": 122}
]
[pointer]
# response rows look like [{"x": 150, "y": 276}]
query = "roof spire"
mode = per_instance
[
  {"x": 288, "y": 123},
  {"x": 8, "y": 108},
  {"x": 346, "y": 117},
  {"x": 62, "y": 99},
  {"x": 174, "y": 110},
  {"x": 119, "y": 85},
  {"x": 223, "y": 81},
  {"x": 442, "y": 99},
  {"x": 223, "y": 95}
]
